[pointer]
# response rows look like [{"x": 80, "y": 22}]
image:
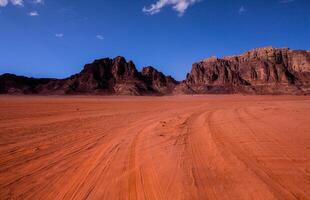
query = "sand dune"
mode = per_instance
[{"x": 187, "y": 147}]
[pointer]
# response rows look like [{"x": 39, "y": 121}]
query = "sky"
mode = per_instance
[{"x": 55, "y": 38}]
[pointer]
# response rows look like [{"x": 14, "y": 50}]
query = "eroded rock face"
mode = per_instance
[
  {"x": 12, "y": 84},
  {"x": 104, "y": 76},
  {"x": 158, "y": 81},
  {"x": 259, "y": 71}
]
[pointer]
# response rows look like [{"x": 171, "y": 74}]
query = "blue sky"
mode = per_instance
[{"x": 55, "y": 38}]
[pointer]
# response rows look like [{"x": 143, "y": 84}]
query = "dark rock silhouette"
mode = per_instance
[
  {"x": 12, "y": 84},
  {"x": 104, "y": 76}
]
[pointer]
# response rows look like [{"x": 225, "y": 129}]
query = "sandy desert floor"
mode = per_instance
[{"x": 187, "y": 147}]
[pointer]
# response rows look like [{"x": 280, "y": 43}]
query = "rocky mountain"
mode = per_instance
[
  {"x": 12, "y": 84},
  {"x": 104, "y": 76},
  {"x": 259, "y": 71},
  {"x": 158, "y": 81}
]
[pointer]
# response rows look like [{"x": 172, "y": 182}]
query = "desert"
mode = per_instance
[
  {"x": 171, "y": 147},
  {"x": 155, "y": 100}
]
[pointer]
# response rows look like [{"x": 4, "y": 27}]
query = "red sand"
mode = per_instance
[{"x": 202, "y": 147}]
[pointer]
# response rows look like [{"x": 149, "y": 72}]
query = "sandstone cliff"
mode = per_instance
[{"x": 259, "y": 71}]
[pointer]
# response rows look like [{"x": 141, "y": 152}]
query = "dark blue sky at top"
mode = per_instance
[{"x": 170, "y": 42}]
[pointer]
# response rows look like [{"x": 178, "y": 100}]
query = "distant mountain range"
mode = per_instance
[{"x": 259, "y": 71}]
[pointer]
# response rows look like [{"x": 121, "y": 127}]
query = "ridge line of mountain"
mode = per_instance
[{"x": 265, "y": 70}]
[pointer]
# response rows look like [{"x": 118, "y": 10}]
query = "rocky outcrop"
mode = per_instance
[
  {"x": 259, "y": 71},
  {"x": 158, "y": 81},
  {"x": 104, "y": 76},
  {"x": 12, "y": 84}
]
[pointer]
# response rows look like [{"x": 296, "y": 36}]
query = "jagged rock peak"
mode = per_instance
[
  {"x": 102, "y": 76},
  {"x": 211, "y": 59}
]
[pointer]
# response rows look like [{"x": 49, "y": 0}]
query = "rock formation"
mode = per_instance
[
  {"x": 12, "y": 84},
  {"x": 104, "y": 76},
  {"x": 158, "y": 81},
  {"x": 259, "y": 71}
]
